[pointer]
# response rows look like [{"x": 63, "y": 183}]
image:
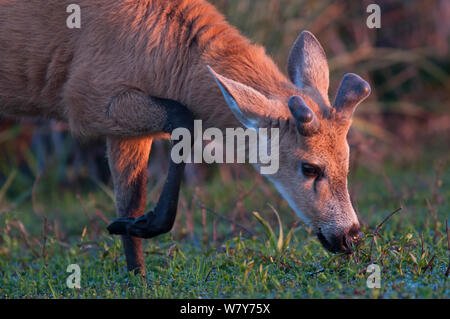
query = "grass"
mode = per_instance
[{"x": 219, "y": 249}]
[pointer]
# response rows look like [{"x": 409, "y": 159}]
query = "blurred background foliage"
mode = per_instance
[{"x": 406, "y": 61}]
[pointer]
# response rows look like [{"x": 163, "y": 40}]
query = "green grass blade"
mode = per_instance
[
  {"x": 281, "y": 235},
  {"x": 7, "y": 184},
  {"x": 267, "y": 228}
]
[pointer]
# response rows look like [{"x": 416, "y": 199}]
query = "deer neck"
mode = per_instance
[{"x": 249, "y": 66}]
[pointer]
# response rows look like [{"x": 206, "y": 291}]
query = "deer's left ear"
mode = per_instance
[
  {"x": 244, "y": 101},
  {"x": 307, "y": 63}
]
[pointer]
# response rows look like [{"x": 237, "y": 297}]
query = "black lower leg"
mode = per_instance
[{"x": 162, "y": 218}]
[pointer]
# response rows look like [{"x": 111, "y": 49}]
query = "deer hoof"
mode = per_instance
[
  {"x": 142, "y": 227},
  {"x": 119, "y": 226}
]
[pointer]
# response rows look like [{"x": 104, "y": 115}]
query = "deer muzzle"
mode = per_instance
[{"x": 342, "y": 242}]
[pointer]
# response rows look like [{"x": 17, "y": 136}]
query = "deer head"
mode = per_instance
[{"x": 313, "y": 148}]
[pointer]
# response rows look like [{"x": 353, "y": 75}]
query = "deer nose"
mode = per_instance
[
  {"x": 342, "y": 242},
  {"x": 351, "y": 238}
]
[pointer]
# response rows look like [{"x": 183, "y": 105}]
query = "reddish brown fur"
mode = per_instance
[
  {"x": 159, "y": 47},
  {"x": 99, "y": 79}
]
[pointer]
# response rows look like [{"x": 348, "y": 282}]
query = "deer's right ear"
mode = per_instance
[
  {"x": 307, "y": 64},
  {"x": 243, "y": 100}
]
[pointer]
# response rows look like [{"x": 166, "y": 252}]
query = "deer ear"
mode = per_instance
[
  {"x": 243, "y": 100},
  {"x": 307, "y": 63}
]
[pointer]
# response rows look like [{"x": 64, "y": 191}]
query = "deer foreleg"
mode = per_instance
[
  {"x": 162, "y": 218},
  {"x": 136, "y": 119}
]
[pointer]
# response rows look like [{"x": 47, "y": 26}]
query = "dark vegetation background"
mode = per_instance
[{"x": 53, "y": 185}]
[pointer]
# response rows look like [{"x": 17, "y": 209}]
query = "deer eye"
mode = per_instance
[{"x": 311, "y": 171}]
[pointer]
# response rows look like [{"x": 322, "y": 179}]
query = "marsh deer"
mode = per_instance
[{"x": 138, "y": 69}]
